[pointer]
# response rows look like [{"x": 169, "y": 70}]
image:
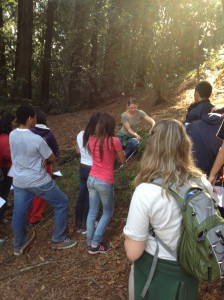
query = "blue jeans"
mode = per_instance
[
  {"x": 131, "y": 145},
  {"x": 23, "y": 197},
  {"x": 82, "y": 203},
  {"x": 100, "y": 192}
]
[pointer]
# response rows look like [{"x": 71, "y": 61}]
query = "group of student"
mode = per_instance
[
  {"x": 168, "y": 156},
  {"x": 174, "y": 154},
  {"x": 99, "y": 148},
  {"x": 32, "y": 148}
]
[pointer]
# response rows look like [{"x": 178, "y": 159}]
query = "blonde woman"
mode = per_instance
[{"x": 168, "y": 157}]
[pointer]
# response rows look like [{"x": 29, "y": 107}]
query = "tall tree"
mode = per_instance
[
  {"x": 75, "y": 80},
  {"x": 3, "y": 77},
  {"x": 92, "y": 70},
  {"x": 22, "y": 77},
  {"x": 47, "y": 52},
  {"x": 112, "y": 50},
  {"x": 103, "y": 48}
]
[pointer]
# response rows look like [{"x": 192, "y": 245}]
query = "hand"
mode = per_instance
[{"x": 138, "y": 137}]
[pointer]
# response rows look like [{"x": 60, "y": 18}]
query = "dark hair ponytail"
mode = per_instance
[
  {"x": 105, "y": 131},
  {"x": 90, "y": 127}
]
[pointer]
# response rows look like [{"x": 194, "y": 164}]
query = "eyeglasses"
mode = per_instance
[{"x": 132, "y": 101}]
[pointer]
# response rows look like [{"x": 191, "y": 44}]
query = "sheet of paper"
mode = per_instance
[
  {"x": 58, "y": 173},
  {"x": 2, "y": 202}
]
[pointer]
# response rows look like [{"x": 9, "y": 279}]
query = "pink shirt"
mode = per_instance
[{"x": 104, "y": 169}]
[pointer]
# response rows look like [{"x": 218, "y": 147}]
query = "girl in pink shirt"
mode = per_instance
[{"x": 105, "y": 148}]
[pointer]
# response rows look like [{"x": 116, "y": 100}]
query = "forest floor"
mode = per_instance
[{"x": 42, "y": 273}]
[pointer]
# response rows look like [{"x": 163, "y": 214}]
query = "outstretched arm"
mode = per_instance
[
  {"x": 219, "y": 162},
  {"x": 149, "y": 120},
  {"x": 130, "y": 131}
]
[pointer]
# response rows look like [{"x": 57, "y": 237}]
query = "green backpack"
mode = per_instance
[{"x": 200, "y": 249}]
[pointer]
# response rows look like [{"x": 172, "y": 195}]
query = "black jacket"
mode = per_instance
[{"x": 205, "y": 143}]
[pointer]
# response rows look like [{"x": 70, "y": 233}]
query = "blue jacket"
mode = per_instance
[
  {"x": 198, "y": 109},
  {"x": 205, "y": 143}
]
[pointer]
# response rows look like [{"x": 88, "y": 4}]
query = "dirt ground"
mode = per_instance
[{"x": 42, "y": 273}]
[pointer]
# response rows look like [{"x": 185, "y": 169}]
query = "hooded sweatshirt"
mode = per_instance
[
  {"x": 205, "y": 143},
  {"x": 48, "y": 136},
  {"x": 197, "y": 109}
]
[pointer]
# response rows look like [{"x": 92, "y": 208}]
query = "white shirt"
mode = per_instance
[
  {"x": 86, "y": 157},
  {"x": 27, "y": 152},
  {"x": 149, "y": 206}
]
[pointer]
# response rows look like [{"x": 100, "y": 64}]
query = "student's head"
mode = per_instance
[
  {"x": 106, "y": 126},
  {"x": 132, "y": 104},
  {"x": 26, "y": 115},
  {"x": 168, "y": 154},
  {"x": 7, "y": 122},
  {"x": 91, "y": 127},
  {"x": 203, "y": 90},
  {"x": 105, "y": 130},
  {"x": 41, "y": 117}
]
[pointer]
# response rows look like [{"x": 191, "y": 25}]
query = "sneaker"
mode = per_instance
[
  {"x": 64, "y": 245},
  {"x": 83, "y": 231},
  {"x": 18, "y": 252},
  {"x": 101, "y": 248}
]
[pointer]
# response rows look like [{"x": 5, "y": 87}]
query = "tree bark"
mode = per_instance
[
  {"x": 46, "y": 67},
  {"x": 75, "y": 80},
  {"x": 22, "y": 77},
  {"x": 92, "y": 72},
  {"x": 3, "y": 77},
  {"x": 112, "y": 51}
]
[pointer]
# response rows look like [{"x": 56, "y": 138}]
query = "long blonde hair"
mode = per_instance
[{"x": 168, "y": 155}]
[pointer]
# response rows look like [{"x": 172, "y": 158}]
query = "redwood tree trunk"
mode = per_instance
[
  {"x": 47, "y": 52},
  {"x": 93, "y": 73},
  {"x": 112, "y": 51},
  {"x": 22, "y": 76},
  {"x": 3, "y": 77},
  {"x": 75, "y": 80}
]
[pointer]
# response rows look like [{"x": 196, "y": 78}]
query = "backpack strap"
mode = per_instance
[
  {"x": 154, "y": 264},
  {"x": 152, "y": 271},
  {"x": 155, "y": 257}
]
